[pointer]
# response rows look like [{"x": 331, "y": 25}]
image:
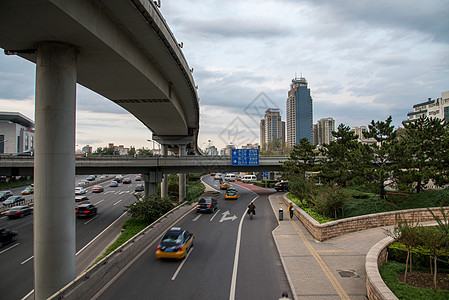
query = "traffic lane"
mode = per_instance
[
  {"x": 206, "y": 272},
  {"x": 260, "y": 273},
  {"x": 17, "y": 263},
  {"x": 15, "y": 260}
]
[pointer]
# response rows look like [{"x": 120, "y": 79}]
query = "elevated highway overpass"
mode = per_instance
[
  {"x": 23, "y": 166},
  {"x": 123, "y": 50}
]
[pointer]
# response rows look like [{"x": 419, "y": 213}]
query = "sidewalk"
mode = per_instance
[{"x": 333, "y": 269}]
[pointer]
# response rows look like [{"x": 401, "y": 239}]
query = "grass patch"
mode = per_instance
[
  {"x": 131, "y": 227},
  {"x": 389, "y": 272},
  {"x": 15, "y": 183}
]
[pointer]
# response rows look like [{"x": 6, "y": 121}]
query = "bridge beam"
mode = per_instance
[
  {"x": 54, "y": 168},
  {"x": 164, "y": 183},
  {"x": 182, "y": 176},
  {"x": 151, "y": 180}
]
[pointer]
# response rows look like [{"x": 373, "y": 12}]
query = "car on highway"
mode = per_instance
[
  {"x": 118, "y": 178},
  {"x": 175, "y": 243},
  {"x": 138, "y": 177},
  {"x": 81, "y": 199},
  {"x": 225, "y": 185},
  {"x": 126, "y": 180},
  {"x": 85, "y": 210},
  {"x": 28, "y": 190},
  {"x": 5, "y": 195},
  {"x": 212, "y": 174},
  {"x": 207, "y": 205},
  {"x": 217, "y": 176},
  {"x": 13, "y": 200},
  {"x": 249, "y": 178},
  {"x": 231, "y": 193},
  {"x": 18, "y": 211},
  {"x": 91, "y": 178},
  {"x": 139, "y": 188},
  {"x": 97, "y": 189},
  {"x": 7, "y": 236},
  {"x": 113, "y": 183},
  {"x": 79, "y": 190},
  {"x": 281, "y": 186},
  {"x": 83, "y": 182}
]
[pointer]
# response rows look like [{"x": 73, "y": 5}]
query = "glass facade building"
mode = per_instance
[{"x": 299, "y": 112}]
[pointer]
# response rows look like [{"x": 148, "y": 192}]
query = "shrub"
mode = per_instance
[{"x": 149, "y": 208}]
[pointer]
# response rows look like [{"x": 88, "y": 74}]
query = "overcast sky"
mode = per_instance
[{"x": 363, "y": 60}]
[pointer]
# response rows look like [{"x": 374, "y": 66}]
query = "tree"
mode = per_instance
[
  {"x": 132, "y": 151},
  {"x": 422, "y": 146},
  {"x": 302, "y": 158},
  {"x": 144, "y": 152},
  {"x": 149, "y": 208},
  {"x": 104, "y": 151},
  {"x": 380, "y": 168},
  {"x": 340, "y": 156}
]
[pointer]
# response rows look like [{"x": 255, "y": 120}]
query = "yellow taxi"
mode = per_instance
[
  {"x": 28, "y": 190},
  {"x": 175, "y": 243},
  {"x": 225, "y": 185},
  {"x": 231, "y": 193}
]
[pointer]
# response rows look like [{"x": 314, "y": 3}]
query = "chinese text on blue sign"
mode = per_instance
[{"x": 245, "y": 157}]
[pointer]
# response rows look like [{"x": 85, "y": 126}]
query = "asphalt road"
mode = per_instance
[
  {"x": 16, "y": 259},
  {"x": 233, "y": 257}
]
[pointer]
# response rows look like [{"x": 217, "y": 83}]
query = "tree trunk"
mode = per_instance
[
  {"x": 406, "y": 267},
  {"x": 435, "y": 274}
]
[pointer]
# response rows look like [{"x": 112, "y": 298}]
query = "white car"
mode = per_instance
[{"x": 80, "y": 190}]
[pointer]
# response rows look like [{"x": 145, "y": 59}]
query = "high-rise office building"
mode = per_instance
[
  {"x": 272, "y": 129},
  {"x": 299, "y": 112},
  {"x": 322, "y": 131}
]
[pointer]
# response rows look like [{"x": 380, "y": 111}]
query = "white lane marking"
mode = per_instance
[
  {"x": 87, "y": 222},
  {"x": 28, "y": 295},
  {"x": 236, "y": 256},
  {"x": 196, "y": 218},
  {"x": 214, "y": 215},
  {"x": 27, "y": 260},
  {"x": 118, "y": 202},
  {"x": 99, "y": 201},
  {"x": 100, "y": 234},
  {"x": 3, "y": 251},
  {"x": 226, "y": 218},
  {"x": 109, "y": 192},
  {"x": 182, "y": 264}
]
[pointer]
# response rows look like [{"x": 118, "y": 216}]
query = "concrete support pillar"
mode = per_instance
[
  {"x": 54, "y": 168},
  {"x": 151, "y": 181},
  {"x": 164, "y": 183},
  {"x": 182, "y": 177}
]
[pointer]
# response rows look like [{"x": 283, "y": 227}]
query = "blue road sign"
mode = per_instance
[{"x": 245, "y": 157}]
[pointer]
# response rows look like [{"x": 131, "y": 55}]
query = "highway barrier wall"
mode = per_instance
[{"x": 89, "y": 283}]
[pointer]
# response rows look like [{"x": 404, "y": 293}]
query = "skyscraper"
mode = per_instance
[
  {"x": 299, "y": 112},
  {"x": 272, "y": 129},
  {"x": 323, "y": 131}
]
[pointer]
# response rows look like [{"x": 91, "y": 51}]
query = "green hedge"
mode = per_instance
[
  {"x": 420, "y": 257},
  {"x": 270, "y": 183}
]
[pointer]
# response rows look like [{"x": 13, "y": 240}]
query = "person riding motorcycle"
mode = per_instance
[{"x": 251, "y": 208}]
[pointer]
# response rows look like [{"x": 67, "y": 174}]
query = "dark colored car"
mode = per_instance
[
  {"x": 81, "y": 199},
  {"x": 139, "y": 188},
  {"x": 13, "y": 200},
  {"x": 118, "y": 178},
  {"x": 281, "y": 186},
  {"x": 126, "y": 180},
  {"x": 18, "y": 211},
  {"x": 5, "y": 195},
  {"x": 86, "y": 210},
  {"x": 91, "y": 178},
  {"x": 97, "y": 189},
  {"x": 7, "y": 236},
  {"x": 175, "y": 243},
  {"x": 207, "y": 205}
]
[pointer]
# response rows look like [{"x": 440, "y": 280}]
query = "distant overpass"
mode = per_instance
[{"x": 11, "y": 165}]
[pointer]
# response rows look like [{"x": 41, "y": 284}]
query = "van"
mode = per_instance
[
  {"x": 230, "y": 177},
  {"x": 249, "y": 178}
]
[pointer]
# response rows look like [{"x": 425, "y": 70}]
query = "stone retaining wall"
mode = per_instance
[{"x": 335, "y": 228}]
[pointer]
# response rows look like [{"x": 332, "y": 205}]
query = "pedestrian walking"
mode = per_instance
[{"x": 290, "y": 210}]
